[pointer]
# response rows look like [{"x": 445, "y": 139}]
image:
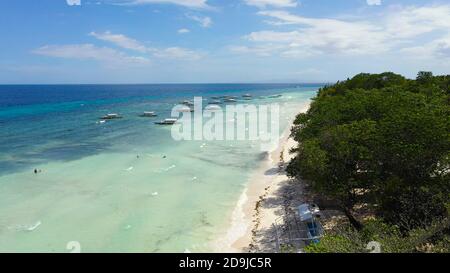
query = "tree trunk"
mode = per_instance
[{"x": 355, "y": 223}]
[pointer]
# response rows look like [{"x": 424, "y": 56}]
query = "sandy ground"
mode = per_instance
[{"x": 269, "y": 194}]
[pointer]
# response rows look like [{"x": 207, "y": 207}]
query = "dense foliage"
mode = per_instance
[
  {"x": 380, "y": 140},
  {"x": 434, "y": 238}
]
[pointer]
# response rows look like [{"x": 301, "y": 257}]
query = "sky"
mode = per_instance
[{"x": 219, "y": 41}]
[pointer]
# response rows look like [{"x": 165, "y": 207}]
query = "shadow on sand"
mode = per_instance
[{"x": 284, "y": 202}]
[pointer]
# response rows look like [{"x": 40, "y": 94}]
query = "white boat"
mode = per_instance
[
  {"x": 230, "y": 100},
  {"x": 149, "y": 114},
  {"x": 275, "y": 96},
  {"x": 111, "y": 116},
  {"x": 188, "y": 103},
  {"x": 167, "y": 121},
  {"x": 213, "y": 107},
  {"x": 247, "y": 96},
  {"x": 185, "y": 110}
]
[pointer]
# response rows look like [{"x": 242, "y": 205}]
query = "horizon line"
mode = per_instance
[{"x": 231, "y": 83}]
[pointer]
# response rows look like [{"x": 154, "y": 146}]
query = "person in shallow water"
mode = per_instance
[{"x": 35, "y": 171}]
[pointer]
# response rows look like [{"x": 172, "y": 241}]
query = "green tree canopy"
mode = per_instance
[{"x": 381, "y": 140}]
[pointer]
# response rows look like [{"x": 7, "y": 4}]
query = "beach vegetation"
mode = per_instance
[
  {"x": 382, "y": 142},
  {"x": 345, "y": 239}
]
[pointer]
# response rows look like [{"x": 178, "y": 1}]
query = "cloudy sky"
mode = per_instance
[{"x": 204, "y": 41}]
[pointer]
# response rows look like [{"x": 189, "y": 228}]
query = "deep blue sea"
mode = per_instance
[{"x": 58, "y": 122}]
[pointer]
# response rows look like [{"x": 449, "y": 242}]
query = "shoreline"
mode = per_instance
[{"x": 250, "y": 217}]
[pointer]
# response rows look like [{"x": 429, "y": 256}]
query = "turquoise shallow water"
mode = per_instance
[{"x": 122, "y": 186}]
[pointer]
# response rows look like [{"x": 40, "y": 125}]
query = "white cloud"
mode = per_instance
[
  {"x": 438, "y": 49},
  {"x": 322, "y": 35},
  {"x": 73, "y": 2},
  {"x": 112, "y": 56},
  {"x": 89, "y": 52},
  {"x": 396, "y": 29},
  {"x": 131, "y": 44},
  {"x": 264, "y": 50},
  {"x": 183, "y": 30},
  {"x": 414, "y": 21},
  {"x": 374, "y": 2},
  {"x": 203, "y": 21},
  {"x": 120, "y": 40},
  {"x": 177, "y": 53},
  {"x": 196, "y": 4},
  {"x": 273, "y": 3}
]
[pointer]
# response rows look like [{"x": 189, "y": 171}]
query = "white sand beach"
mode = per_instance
[{"x": 262, "y": 202}]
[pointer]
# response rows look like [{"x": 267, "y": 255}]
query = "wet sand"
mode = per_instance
[{"x": 263, "y": 201}]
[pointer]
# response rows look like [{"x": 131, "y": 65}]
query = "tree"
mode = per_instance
[
  {"x": 424, "y": 77},
  {"x": 377, "y": 139}
]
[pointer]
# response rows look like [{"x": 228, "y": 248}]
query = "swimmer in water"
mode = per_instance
[{"x": 35, "y": 171}]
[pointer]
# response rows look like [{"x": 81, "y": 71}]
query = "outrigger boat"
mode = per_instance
[
  {"x": 167, "y": 121},
  {"x": 213, "y": 107},
  {"x": 185, "y": 110},
  {"x": 148, "y": 115},
  {"x": 275, "y": 96},
  {"x": 187, "y": 103},
  {"x": 230, "y": 100},
  {"x": 111, "y": 116}
]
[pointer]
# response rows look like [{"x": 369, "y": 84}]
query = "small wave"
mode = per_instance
[
  {"x": 166, "y": 169},
  {"x": 129, "y": 169},
  {"x": 238, "y": 226},
  {"x": 170, "y": 168},
  {"x": 128, "y": 227},
  {"x": 28, "y": 227},
  {"x": 193, "y": 178}
]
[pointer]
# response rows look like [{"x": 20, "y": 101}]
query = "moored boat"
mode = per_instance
[
  {"x": 149, "y": 114},
  {"x": 111, "y": 116},
  {"x": 167, "y": 121},
  {"x": 185, "y": 109},
  {"x": 230, "y": 100},
  {"x": 275, "y": 96},
  {"x": 187, "y": 103},
  {"x": 213, "y": 107}
]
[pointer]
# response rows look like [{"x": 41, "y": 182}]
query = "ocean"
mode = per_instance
[{"x": 124, "y": 185}]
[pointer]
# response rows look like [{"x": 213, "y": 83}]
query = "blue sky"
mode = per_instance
[{"x": 203, "y": 41}]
